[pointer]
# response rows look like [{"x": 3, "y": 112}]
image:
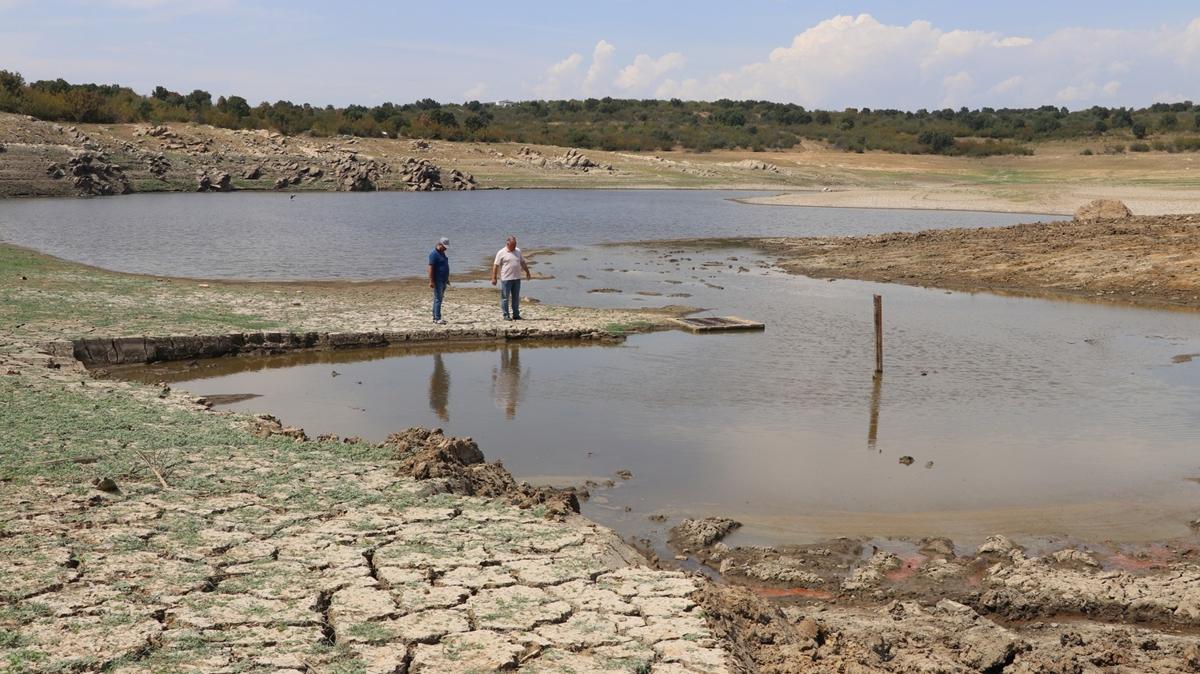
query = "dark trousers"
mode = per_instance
[{"x": 439, "y": 290}]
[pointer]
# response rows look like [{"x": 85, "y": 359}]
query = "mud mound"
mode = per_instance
[
  {"x": 1102, "y": 209},
  {"x": 428, "y": 454},
  {"x": 693, "y": 534}
]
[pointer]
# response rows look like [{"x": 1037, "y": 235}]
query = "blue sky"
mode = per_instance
[{"x": 876, "y": 54}]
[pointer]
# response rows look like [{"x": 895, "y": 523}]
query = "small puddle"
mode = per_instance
[{"x": 1022, "y": 416}]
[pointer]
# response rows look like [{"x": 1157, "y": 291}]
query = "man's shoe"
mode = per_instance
[
  {"x": 507, "y": 318},
  {"x": 516, "y": 318},
  {"x": 439, "y": 321}
]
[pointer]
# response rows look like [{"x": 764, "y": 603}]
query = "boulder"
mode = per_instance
[
  {"x": 1102, "y": 209},
  {"x": 281, "y": 183},
  {"x": 693, "y": 534},
  {"x": 253, "y": 173}
]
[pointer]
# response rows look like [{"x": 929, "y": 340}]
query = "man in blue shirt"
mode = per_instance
[{"x": 439, "y": 276}]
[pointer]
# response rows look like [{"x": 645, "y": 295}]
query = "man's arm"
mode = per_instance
[
  {"x": 430, "y": 276},
  {"x": 526, "y": 268},
  {"x": 495, "y": 271}
]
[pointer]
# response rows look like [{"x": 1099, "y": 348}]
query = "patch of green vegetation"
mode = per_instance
[
  {"x": 621, "y": 329},
  {"x": 24, "y": 660},
  {"x": 368, "y": 631},
  {"x": 10, "y": 639}
]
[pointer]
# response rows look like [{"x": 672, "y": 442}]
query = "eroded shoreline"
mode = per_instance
[{"x": 881, "y": 611}]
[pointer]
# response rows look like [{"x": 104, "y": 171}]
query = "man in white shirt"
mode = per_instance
[{"x": 508, "y": 266}]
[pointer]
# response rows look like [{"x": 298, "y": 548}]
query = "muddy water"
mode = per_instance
[
  {"x": 1022, "y": 416},
  {"x": 388, "y": 234}
]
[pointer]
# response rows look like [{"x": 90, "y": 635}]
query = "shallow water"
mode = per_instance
[
  {"x": 1038, "y": 417},
  {"x": 388, "y": 234}
]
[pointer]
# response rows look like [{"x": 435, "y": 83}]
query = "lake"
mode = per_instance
[{"x": 268, "y": 235}]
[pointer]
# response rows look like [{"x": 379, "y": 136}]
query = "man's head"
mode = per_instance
[
  {"x": 511, "y": 243},
  {"x": 443, "y": 243}
]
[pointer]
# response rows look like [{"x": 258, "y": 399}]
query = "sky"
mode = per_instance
[{"x": 832, "y": 55}]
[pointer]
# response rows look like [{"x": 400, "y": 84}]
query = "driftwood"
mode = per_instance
[{"x": 150, "y": 464}]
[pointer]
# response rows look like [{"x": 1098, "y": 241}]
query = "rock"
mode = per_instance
[
  {"x": 253, "y": 173},
  {"x": 106, "y": 484},
  {"x": 906, "y": 460},
  {"x": 997, "y": 545},
  {"x": 753, "y": 164},
  {"x": 1102, "y": 209},
  {"x": 987, "y": 648},
  {"x": 700, "y": 533},
  {"x": 221, "y": 182},
  {"x": 1071, "y": 556},
  {"x": 625, "y": 474},
  {"x": 808, "y": 629},
  {"x": 281, "y": 183},
  {"x": 943, "y": 547}
]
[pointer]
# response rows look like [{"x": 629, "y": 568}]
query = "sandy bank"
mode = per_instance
[
  {"x": 1050, "y": 199},
  {"x": 1151, "y": 261}
]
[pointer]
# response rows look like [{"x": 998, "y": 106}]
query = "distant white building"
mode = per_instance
[{"x": 505, "y": 104}]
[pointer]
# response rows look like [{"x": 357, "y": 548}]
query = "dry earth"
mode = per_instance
[
  {"x": 1144, "y": 260},
  {"x": 141, "y": 531}
]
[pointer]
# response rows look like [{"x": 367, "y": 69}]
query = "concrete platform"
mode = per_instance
[{"x": 717, "y": 324}]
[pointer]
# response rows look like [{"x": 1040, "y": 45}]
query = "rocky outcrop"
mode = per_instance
[
  {"x": 253, "y": 173},
  {"x": 1102, "y": 209},
  {"x": 159, "y": 165},
  {"x": 571, "y": 159},
  {"x": 753, "y": 165},
  {"x": 575, "y": 159},
  {"x": 422, "y": 175},
  {"x": 355, "y": 173},
  {"x": 215, "y": 181},
  {"x": 92, "y": 174}
]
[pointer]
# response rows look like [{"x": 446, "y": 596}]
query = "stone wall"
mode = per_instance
[{"x": 106, "y": 351}]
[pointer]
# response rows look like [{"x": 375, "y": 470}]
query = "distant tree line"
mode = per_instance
[{"x": 615, "y": 124}]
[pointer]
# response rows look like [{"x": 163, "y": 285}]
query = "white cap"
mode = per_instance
[{"x": 444, "y": 242}]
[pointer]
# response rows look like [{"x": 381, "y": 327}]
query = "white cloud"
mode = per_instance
[
  {"x": 645, "y": 71},
  {"x": 859, "y": 61},
  {"x": 601, "y": 67},
  {"x": 476, "y": 92},
  {"x": 565, "y": 66}
]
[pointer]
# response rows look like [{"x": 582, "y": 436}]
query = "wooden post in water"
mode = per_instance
[{"x": 878, "y": 335}]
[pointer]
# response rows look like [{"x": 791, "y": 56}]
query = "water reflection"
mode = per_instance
[
  {"x": 439, "y": 388},
  {"x": 508, "y": 381},
  {"x": 873, "y": 427}
]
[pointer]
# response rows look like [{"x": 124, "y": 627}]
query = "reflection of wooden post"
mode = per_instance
[
  {"x": 873, "y": 428},
  {"x": 878, "y": 335}
]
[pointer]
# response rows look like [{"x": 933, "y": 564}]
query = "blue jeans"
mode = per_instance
[
  {"x": 439, "y": 289},
  {"x": 510, "y": 291}
]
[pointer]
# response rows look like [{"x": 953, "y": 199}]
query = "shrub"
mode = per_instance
[
  {"x": 1139, "y": 147},
  {"x": 1086, "y": 152}
]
